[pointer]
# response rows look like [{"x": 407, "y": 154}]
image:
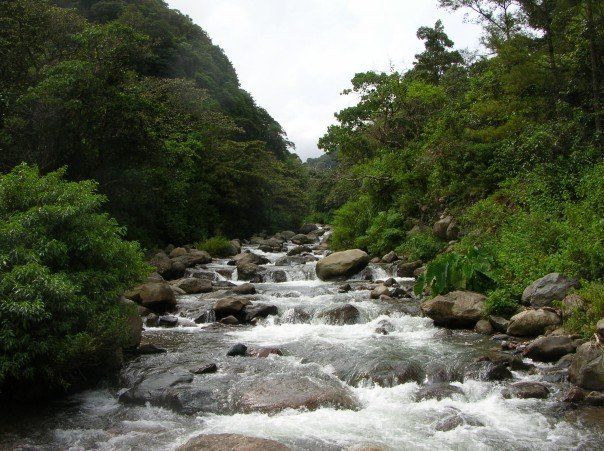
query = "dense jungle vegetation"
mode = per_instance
[{"x": 508, "y": 143}]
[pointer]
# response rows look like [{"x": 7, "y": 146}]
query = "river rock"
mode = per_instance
[
  {"x": 499, "y": 324},
  {"x": 288, "y": 234},
  {"x": 526, "y": 390},
  {"x": 155, "y": 388},
  {"x": 531, "y": 323},
  {"x": 387, "y": 374},
  {"x": 307, "y": 228},
  {"x": 407, "y": 269},
  {"x": 134, "y": 324},
  {"x": 346, "y": 314},
  {"x": 193, "y": 285},
  {"x": 208, "y": 368},
  {"x": 279, "y": 392},
  {"x": 265, "y": 351},
  {"x": 453, "y": 418},
  {"x": 177, "y": 252},
  {"x": 550, "y": 348},
  {"x": 600, "y": 330},
  {"x": 259, "y": 311},
  {"x": 231, "y": 442},
  {"x": 230, "y": 306},
  {"x": 237, "y": 350},
  {"x": 167, "y": 321},
  {"x": 155, "y": 277},
  {"x": 543, "y": 292},
  {"x": 587, "y": 369},
  {"x": 247, "y": 271},
  {"x": 162, "y": 264},
  {"x": 390, "y": 257},
  {"x": 438, "y": 392},
  {"x": 301, "y": 239},
  {"x": 192, "y": 258},
  {"x": 229, "y": 320},
  {"x": 342, "y": 264},
  {"x": 157, "y": 297},
  {"x": 379, "y": 291},
  {"x": 458, "y": 309},
  {"x": 483, "y": 327},
  {"x": 248, "y": 257},
  {"x": 441, "y": 226},
  {"x": 244, "y": 289},
  {"x": 295, "y": 316},
  {"x": 299, "y": 250}
]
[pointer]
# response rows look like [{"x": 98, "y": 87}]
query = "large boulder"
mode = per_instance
[
  {"x": 531, "y": 323},
  {"x": 543, "y": 292},
  {"x": 587, "y": 369},
  {"x": 156, "y": 296},
  {"x": 248, "y": 271},
  {"x": 407, "y": 269},
  {"x": 301, "y": 239},
  {"x": 230, "y": 306},
  {"x": 248, "y": 257},
  {"x": 231, "y": 442},
  {"x": 162, "y": 264},
  {"x": 550, "y": 348},
  {"x": 441, "y": 226},
  {"x": 526, "y": 390},
  {"x": 458, "y": 309},
  {"x": 192, "y": 258},
  {"x": 156, "y": 388},
  {"x": 342, "y": 264},
  {"x": 193, "y": 285},
  {"x": 346, "y": 314},
  {"x": 177, "y": 252},
  {"x": 307, "y": 228}
]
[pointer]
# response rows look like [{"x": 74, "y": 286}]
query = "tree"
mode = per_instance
[{"x": 436, "y": 59}]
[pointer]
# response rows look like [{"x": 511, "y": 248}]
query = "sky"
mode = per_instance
[{"x": 296, "y": 56}]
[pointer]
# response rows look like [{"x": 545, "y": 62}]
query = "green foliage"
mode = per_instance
[
  {"x": 350, "y": 223},
  {"x": 502, "y": 302},
  {"x": 217, "y": 246},
  {"x": 63, "y": 267},
  {"x": 583, "y": 320},
  {"x": 385, "y": 233},
  {"x": 453, "y": 271},
  {"x": 422, "y": 246}
]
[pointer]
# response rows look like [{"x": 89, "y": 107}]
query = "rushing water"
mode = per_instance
[{"x": 386, "y": 415}]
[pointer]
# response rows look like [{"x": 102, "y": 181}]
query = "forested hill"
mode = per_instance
[{"x": 135, "y": 96}]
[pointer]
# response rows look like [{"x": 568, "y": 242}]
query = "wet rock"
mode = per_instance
[
  {"x": 148, "y": 348},
  {"x": 192, "y": 258},
  {"x": 205, "y": 369},
  {"x": 526, "y": 390},
  {"x": 295, "y": 316},
  {"x": 390, "y": 257},
  {"x": 299, "y": 250},
  {"x": 133, "y": 324},
  {"x": 496, "y": 372},
  {"x": 379, "y": 291},
  {"x": 458, "y": 309},
  {"x": 438, "y": 373},
  {"x": 454, "y": 418},
  {"x": 291, "y": 260},
  {"x": 438, "y": 392},
  {"x": 245, "y": 288},
  {"x": 287, "y": 234},
  {"x": 279, "y": 392},
  {"x": 307, "y": 228},
  {"x": 155, "y": 388},
  {"x": 344, "y": 288},
  {"x": 342, "y": 264},
  {"x": 375, "y": 260},
  {"x": 264, "y": 352},
  {"x": 230, "y": 306},
  {"x": 157, "y": 297},
  {"x": 483, "y": 327},
  {"x": 543, "y": 292},
  {"x": 259, "y": 311},
  {"x": 237, "y": 350},
  {"x": 167, "y": 321},
  {"x": 587, "y": 369},
  {"x": 193, "y": 285},
  {"x": 231, "y": 442},
  {"x": 178, "y": 291},
  {"x": 550, "y": 348},
  {"x": 236, "y": 246},
  {"x": 151, "y": 320},
  {"x": 390, "y": 282},
  {"x": 248, "y": 257},
  {"x": 384, "y": 327},
  {"x": 301, "y": 239},
  {"x": 531, "y": 323},
  {"x": 406, "y": 269},
  {"x": 206, "y": 317},
  {"x": 387, "y": 374},
  {"x": 419, "y": 271},
  {"x": 346, "y": 314},
  {"x": 499, "y": 324},
  {"x": 278, "y": 276},
  {"x": 229, "y": 320},
  {"x": 247, "y": 271}
]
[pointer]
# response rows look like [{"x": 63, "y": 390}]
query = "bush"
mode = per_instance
[
  {"x": 583, "y": 321},
  {"x": 350, "y": 223},
  {"x": 386, "y": 232},
  {"x": 217, "y": 246},
  {"x": 63, "y": 267},
  {"x": 502, "y": 302},
  {"x": 421, "y": 246}
]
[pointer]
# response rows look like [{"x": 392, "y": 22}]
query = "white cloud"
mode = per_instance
[{"x": 296, "y": 56}]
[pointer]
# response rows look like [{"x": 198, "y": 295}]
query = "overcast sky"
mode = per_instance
[{"x": 296, "y": 56}]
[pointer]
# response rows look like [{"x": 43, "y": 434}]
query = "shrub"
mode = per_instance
[
  {"x": 453, "y": 271},
  {"x": 217, "y": 246},
  {"x": 386, "y": 232},
  {"x": 63, "y": 266},
  {"x": 421, "y": 246},
  {"x": 350, "y": 224},
  {"x": 501, "y": 302},
  {"x": 583, "y": 321}
]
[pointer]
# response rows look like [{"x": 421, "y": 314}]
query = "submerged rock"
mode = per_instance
[
  {"x": 458, "y": 309},
  {"x": 454, "y": 418},
  {"x": 231, "y": 442},
  {"x": 342, "y": 264}
]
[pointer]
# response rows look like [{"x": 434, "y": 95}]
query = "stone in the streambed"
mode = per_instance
[
  {"x": 346, "y": 314},
  {"x": 288, "y": 234},
  {"x": 406, "y": 269},
  {"x": 499, "y": 324},
  {"x": 301, "y": 239},
  {"x": 155, "y": 277},
  {"x": 496, "y": 371},
  {"x": 379, "y": 291},
  {"x": 454, "y": 418},
  {"x": 155, "y": 388},
  {"x": 294, "y": 260},
  {"x": 162, "y": 264},
  {"x": 264, "y": 352},
  {"x": 236, "y": 245},
  {"x": 247, "y": 271},
  {"x": 192, "y": 258},
  {"x": 483, "y": 327},
  {"x": 178, "y": 291},
  {"x": 342, "y": 264},
  {"x": 157, "y": 297},
  {"x": 277, "y": 276},
  {"x": 526, "y": 390},
  {"x": 531, "y": 323},
  {"x": 345, "y": 288},
  {"x": 193, "y": 285},
  {"x": 438, "y": 392},
  {"x": 543, "y": 292},
  {"x": 441, "y": 226},
  {"x": 307, "y": 228},
  {"x": 375, "y": 260},
  {"x": 384, "y": 327},
  {"x": 134, "y": 323},
  {"x": 244, "y": 288},
  {"x": 439, "y": 372},
  {"x": 387, "y": 374},
  {"x": 295, "y": 316},
  {"x": 230, "y": 306},
  {"x": 229, "y": 321},
  {"x": 271, "y": 245},
  {"x": 231, "y": 442},
  {"x": 248, "y": 257},
  {"x": 283, "y": 391},
  {"x": 458, "y": 309},
  {"x": 149, "y": 348},
  {"x": 587, "y": 369},
  {"x": 238, "y": 350},
  {"x": 550, "y": 348},
  {"x": 167, "y": 321},
  {"x": 299, "y": 250},
  {"x": 390, "y": 257},
  {"x": 177, "y": 252},
  {"x": 208, "y": 368},
  {"x": 259, "y": 311},
  {"x": 390, "y": 282}
]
